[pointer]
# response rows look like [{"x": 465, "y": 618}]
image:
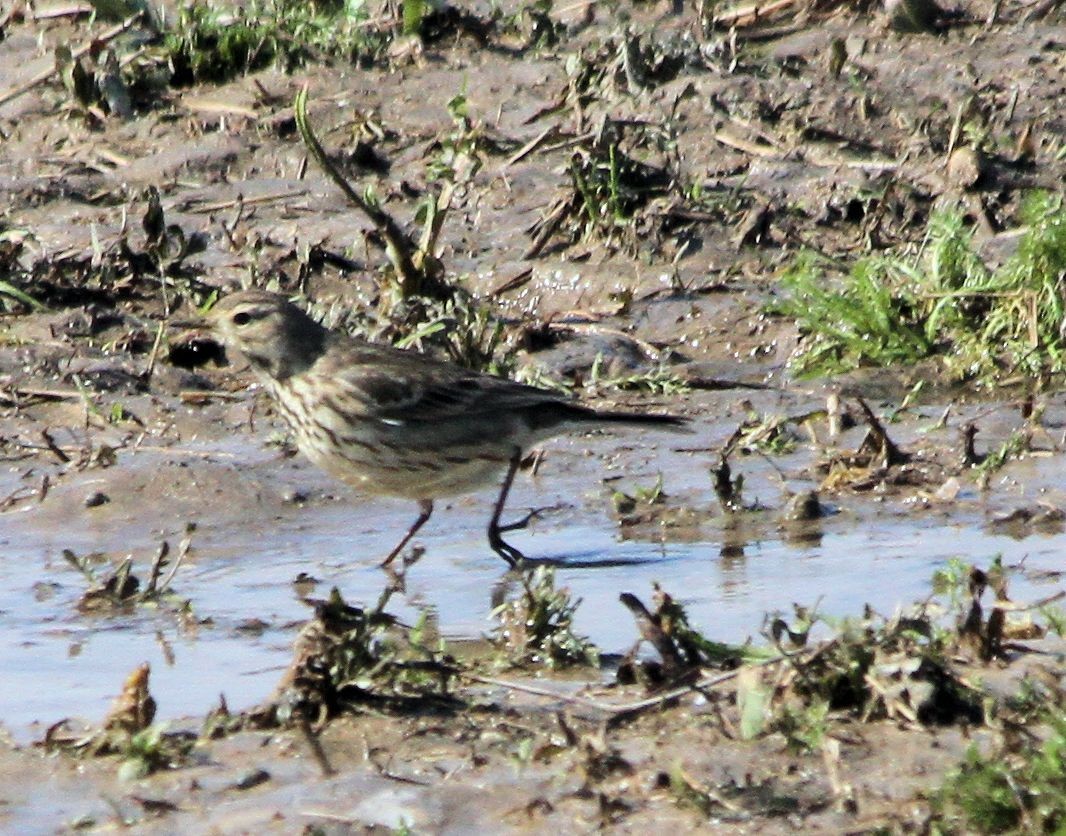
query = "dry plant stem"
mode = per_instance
[
  {"x": 892, "y": 452},
  {"x": 153, "y": 356},
  {"x": 617, "y": 711},
  {"x": 747, "y": 147},
  {"x": 530, "y": 147},
  {"x": 156, "y": 570},
  {"x": 75, "y": 54},
  {"x": 652, "y": 633},
  {"x": 514, "y": 283},
  {"x": 154, "y": 588},
  {"x": 218, "y": 206},
  {"x": 398, "y": 246},
  {"x": 748, "y": 15},
  {"x": 53, "y": 447},
  {"x": 315, "y": 745},
  {"x": 1011, "y": 606},
  {"x": 11, "y": 397},
  {"x": 74, "y": 10}
]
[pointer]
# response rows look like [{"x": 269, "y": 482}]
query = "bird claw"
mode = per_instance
[
  {"x": 513, "y": 556},
  {"x": 534, "y": 514}
]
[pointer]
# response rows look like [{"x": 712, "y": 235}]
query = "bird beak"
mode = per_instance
[
  {"x": 197, "y": 347},
  {"x": 198, "y": 343}
]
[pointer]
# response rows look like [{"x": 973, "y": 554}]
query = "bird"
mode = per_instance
[{"x": 395, "y": 422}]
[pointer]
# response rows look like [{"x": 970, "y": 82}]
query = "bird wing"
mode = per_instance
[{"x": 400, "y": 387}]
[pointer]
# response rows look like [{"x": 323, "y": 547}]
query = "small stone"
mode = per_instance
[
  {"x": 96, "y": 499},
  {"x": 803, "y": 506},
  {"x": 965, "y": 167},
  {"x": 949, "y": 491},
  {"x": 251, "y": 779},
  {"x": 913, "y": 15},
  {"x": 253, "y": 626}
]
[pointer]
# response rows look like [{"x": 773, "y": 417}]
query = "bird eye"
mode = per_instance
[{"x": 241, "y": 318}]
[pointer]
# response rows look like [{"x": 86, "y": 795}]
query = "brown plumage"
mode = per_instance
[{"x": 395, "y": 422}]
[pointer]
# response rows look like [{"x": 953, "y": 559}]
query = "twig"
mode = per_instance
[
  {"x": 513, "y": 283},
  {"x": 180, "y": 451},
  {"x": 617, "y": 710},
  {"x": 400, "y": 249},
  {"x": 199, "y": 396},
  {"x": 157, "y": 567},
  {"x": 153, "y": 355},
  {"x": 16, "y": 496},
  {"x": 745, "y": 146},
  {"x": 191, "y": 208},
  {"x": 183, "y": 551},
  {"x": 1011, "y": 606},
  {"x": 747, "y": 15},
  {"x": 530, "y": 147},
  {"x": 75, "y": 10},
  {"x": 11, "y": 396},
  {"x": 53, "y": 447},
  {"x": 567, "y": 143},
  {"x": 315, "y": 745},
  {"x": 824, "y": 159}
]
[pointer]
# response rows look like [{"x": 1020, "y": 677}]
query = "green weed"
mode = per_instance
[
  {"x": 1020, "y": 789},
  {"x": 865, "y": 323},
  {"x": 1015, "y": 445},
  {"x": 348, "y": 656},
  {"x": 944, "y": 302},
  {"x": 608, "y": 188},
  {"x": 625, "y": 503},
  {"x": 805, "y": 728},
  {"x": 128, "y": 732},
  {"x": 209, "y": 43},
  {"x": 952, "y": 580},
  {"x": 658, "y": 381},
  {"x": 537, "y": 625},
  {"x": 151, "y": 750}
]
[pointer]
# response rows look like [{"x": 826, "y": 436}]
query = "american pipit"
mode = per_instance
[{"x": 395, "y": 422}]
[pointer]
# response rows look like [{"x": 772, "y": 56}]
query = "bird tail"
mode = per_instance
[
  {"x": 634, "y": 419},
  {"x": 644, "y": 419},
  {"x": 553, "y": 414}
]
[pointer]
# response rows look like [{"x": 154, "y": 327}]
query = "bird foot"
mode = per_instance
[
  {"x": 513, "y": 556},
  {"x": 534, "y": 514}
]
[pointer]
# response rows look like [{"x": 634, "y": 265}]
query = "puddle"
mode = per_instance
[{"x": 59, "y": 663}]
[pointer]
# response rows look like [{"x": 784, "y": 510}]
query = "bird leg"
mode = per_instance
[
  {"x": 505, "y": 550},
  {"x": 425, "y": 507}
]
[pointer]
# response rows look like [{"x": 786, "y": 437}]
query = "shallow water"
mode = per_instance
[{"x": 58, "y": 662}]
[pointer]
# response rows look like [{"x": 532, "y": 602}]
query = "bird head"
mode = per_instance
[{"x": 276, "y": 337}]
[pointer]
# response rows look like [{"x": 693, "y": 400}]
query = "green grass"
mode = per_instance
[
  {"x": 609, "y": 187},
  {"x": 660, "y": 380},
  {"x": 1018, "y": 790},
  {"x": 213, "y": 43},
  {"x": 536, "y": 627},
  {"x": 943, "y": 302}
]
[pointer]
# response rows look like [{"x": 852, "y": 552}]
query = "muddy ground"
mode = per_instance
[{"x": 117, "y": 430}]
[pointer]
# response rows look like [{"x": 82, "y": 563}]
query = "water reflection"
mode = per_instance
[{"x": 741, "y": 569}]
